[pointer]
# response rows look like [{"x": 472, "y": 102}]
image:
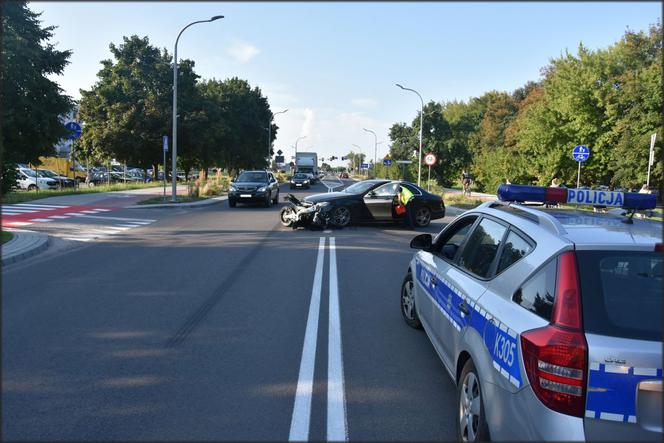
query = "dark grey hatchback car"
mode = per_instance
[{"x": 254, "y": 186}]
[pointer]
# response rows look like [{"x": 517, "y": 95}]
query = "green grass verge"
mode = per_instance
[
  {"x": 6, "y": 236},
  {"x": 24, "y": 196},
  {"x": 161, "y": 199}
]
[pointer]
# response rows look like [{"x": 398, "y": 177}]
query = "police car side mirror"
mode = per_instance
[{"x": 422, "y": 241}]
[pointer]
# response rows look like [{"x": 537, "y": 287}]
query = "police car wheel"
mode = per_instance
[
  {"x": 422, "y": 216},
  {"x": 471, "y": 423},
  {"x": 408, "y": 303}
]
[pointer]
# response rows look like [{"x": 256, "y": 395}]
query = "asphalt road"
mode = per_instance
[{"x": 215, "y": 323}]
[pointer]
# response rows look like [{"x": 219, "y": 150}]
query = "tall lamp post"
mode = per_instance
[
  {"x": 375, "y": 149},
  {"x": 419, "y": 161},
  {"x": 298, "y": 139},
  {"x": 359, "y": 169},
  {"x": 269, "y": 135},
  {"x": 175, "y": 102}
]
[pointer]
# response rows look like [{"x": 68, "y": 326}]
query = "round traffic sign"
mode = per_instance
[
  {"x": 75, "y": 130},
  {"x": 581, "y": 153},
  {"x": 430, "y": 159}
]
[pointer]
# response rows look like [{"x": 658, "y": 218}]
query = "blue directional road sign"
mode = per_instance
[
  {"x": 581, "y": 153},
  {"x": 75, "y": 129},
  {"x": 387, "y": 162},
  {"x": 365, "y": 166}
]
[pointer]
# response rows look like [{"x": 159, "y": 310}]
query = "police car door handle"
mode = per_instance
[
  {"x": 434, "y": 281},
  {"x": 463, "y": 307}
]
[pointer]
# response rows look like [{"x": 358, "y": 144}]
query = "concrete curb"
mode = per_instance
[
  {"x": 209, "y": 201},
  {"x": 24, "y": 244}
]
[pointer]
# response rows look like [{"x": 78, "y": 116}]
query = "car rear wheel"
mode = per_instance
[
  {"x": 422, "y": 216},
  {"x": 285, "y": 216},
  {"x": 341, "y": 216},
  {"x": 408, "y": 303},
  {"x": 471, "y": 423},
  {"x": 32, "y": 187}
]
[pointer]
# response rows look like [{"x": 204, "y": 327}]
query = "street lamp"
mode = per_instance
[
  {"x": 269, "y": 135},
  {"x": 175, "y": 101},
  {"x": 298, "y": 139},
  {"x": 375, "y": 148},
  {"x": 419, "y": 162}
]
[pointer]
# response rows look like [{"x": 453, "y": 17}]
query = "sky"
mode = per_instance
[{"x": 334, "y": 65}]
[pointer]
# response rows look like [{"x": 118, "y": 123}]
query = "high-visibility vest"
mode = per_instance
[{"x": 405, "y": 195}]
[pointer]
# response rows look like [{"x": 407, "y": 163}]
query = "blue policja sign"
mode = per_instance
[
  {"x": 387, "y": 162},
  {"x": 364, "y": 166},
  {"x": 75, "y": 130},
  {"x": 581, "y": 153}
]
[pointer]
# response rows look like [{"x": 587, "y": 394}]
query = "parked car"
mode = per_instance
[
  {"x": 254, "y": 186},
  {"x": 63, "y": 182},
  {"x": 549, "y": 321},
  {"x": 374, "y": 201},
  {"x": 29, "y": 180}
]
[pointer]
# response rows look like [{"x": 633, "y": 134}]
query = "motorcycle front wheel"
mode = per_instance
[{"x": 285, "y": 216}]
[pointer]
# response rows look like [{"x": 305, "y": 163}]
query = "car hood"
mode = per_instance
[
  {"x": 327, "y": 196},
  {"x": 256, "y": 184}
]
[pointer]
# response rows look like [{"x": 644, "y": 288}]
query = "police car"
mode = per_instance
[{"x": 548, "y": 320}]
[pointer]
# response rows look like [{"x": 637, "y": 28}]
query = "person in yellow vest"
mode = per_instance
[{"x": 405, "y": 198}]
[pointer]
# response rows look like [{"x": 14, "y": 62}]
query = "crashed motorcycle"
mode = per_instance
[{"x": 308, "y": 215}]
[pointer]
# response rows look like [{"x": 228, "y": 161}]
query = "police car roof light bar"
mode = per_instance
[{"x": 591, "y": 197}]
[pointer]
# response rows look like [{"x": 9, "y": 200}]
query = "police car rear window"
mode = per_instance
[{"x": 621, "y": 293}]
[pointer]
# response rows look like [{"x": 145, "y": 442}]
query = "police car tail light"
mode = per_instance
[{"x": 556, "y": 356}]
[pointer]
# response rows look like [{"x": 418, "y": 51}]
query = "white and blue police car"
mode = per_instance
[{"x": 549, "y": 320}]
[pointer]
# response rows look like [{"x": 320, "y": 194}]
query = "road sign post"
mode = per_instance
[
  {"x": 74, "y": 133},
  {"x": 156, "y": 173},
  {"x": 651, "y": 157},
  {"x": 580, "y": 154},
  {"x": 429, "y": 160}
]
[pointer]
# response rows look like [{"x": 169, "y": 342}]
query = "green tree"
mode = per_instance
[
  {"x": 32, "y": 104},
  {"x": 129, "y": 109}
]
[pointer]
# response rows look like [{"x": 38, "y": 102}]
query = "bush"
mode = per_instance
[{"x": 8, "y": 177}]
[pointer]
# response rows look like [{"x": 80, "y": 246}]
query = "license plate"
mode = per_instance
[
  {"x": 245, "y": 195},
  {"x": 297, "y": 184}
]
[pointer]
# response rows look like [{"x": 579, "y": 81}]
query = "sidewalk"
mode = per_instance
[
  {"x": 206, "y": 202},
  {"x": 23, "y": 245}
]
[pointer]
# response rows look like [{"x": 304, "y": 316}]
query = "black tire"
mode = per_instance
[
  {"x": 232, "y": 202},
  {"x": 422, "y": 216},
  {"x": 341, "y": 216},
  {"x": 408, "y": 309},
  {"x": 268, "y": 200},
  {"x": 32, "y": 187},
  {"x": 276, "y": 198},
  {"x": 285, "y": 210},
  {"x": 291, "y": 186},
  {"x": 471, "y": 420}
]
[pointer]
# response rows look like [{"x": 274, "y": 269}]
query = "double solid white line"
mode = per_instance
[{"x": 336, "y": 401}]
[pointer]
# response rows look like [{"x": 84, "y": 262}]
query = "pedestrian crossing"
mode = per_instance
[
  {"x": 26, "y": 214},
  {"x": 86, "y": 233}
]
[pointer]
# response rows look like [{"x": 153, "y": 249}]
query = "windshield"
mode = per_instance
[
  {"x": 28, "y": 172},
  {"x": 252, "y": 177},
  {"x": 303, "y": 176},
  {"x": 360, "y": 188},
  {"x": 46, "y": 173},
  {"x": 622, "y": 293}
]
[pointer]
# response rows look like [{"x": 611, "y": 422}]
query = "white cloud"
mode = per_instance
[
  {"x": 242, "y": 52},
  {"x": 364, "y": 102},
  {"x": 308, "y": 123}
]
